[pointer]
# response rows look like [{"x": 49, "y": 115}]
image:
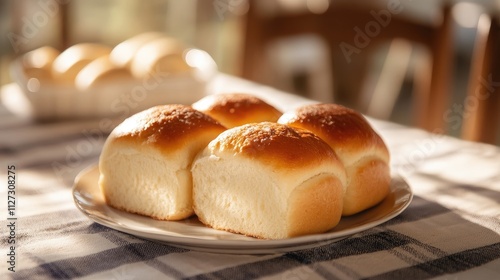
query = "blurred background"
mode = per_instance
[{"x": 286, "y": 44}]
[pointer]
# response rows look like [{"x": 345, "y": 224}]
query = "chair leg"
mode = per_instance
[
  {"x": 482, "y": 104},
  {"x": 431, "y": 104}
]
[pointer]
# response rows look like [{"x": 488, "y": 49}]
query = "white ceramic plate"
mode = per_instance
[{"x": 191, "y": 234}]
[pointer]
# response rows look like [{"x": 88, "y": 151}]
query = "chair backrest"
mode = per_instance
[
  {"x": 481, "y": 114},
  {"x": 354, "y": 30}
]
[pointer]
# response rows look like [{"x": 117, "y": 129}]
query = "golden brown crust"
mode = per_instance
[
  {"x": 342, "y": 128},
  {"x": 167, "y": 127},
  {"x": 71, "y": 61},
  {"x": 370, "y": 184},
  {"x": 162, "y": 56},
  {"x": 101, "y": 71},
  {"x": 358, "y": 146},
  {"x": 236, "y": 109},
  {"x": 317, "y": 206},
  {"x": 276, "y": 144},
  {"x": 123, "y": 54},
  {"x": 38, "y": 63}
]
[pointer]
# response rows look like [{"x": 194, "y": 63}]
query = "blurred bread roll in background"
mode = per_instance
[
  {"x": 71, "y": 61},
  {"x": 268, "y": 180},
  {"x": 38, "y": 63},
  {"x": 162, "y": 56},
  {"x": 236, "y": 109},
  {"x": 101, "y": 71},
  {"x": 358, "y": 146},
  {"x": 145, "y": 162},
  {"x": 123, "y": 54}
]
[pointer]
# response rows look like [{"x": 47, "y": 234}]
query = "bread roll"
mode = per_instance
[
  {"x": 38, "y": 63},
  {"x": 145, "y": 163},
  {"x": 101, "y": 71},
  {"x": 268, "y": 180},
  {"x": 162, "y": 56},
  {"x": 237, "y": 109},
  {"x": 123, "y": 54},
  {"x": 357, "y": 145},
  {"x": 69, "y": 63}
]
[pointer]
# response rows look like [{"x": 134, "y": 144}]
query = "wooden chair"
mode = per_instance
[
  {"x": 341, "y": 26},
  {"x": 481, "y": 117}
]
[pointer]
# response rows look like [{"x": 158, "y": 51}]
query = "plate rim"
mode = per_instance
[{"x": 254, "y": 246}]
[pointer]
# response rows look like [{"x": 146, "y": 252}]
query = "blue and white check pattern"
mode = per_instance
[{"x": 451, "y": 230}]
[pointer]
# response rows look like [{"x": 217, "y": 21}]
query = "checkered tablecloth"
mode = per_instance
[{"x": 451, "y": 230}]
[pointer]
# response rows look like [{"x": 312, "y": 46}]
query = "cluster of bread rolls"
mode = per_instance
[
  {"x": 87, "y": 65},
  {"x": 242, "y": 166}
]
